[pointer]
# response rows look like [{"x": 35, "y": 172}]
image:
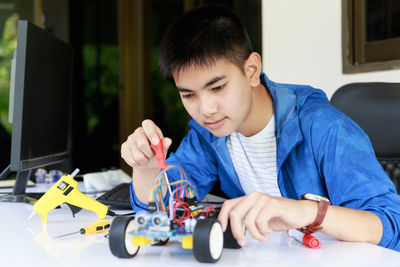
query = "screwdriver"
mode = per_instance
[
  {"x": 160, "y": 157},
  {"x": 96, "y": 228}
]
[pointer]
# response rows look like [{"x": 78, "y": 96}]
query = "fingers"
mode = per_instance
[
  {"x": 154, "y": 134},
  {"x": 254, "y": 222},
  {"x": 136, "y": 150},
  {"x": 223, "y": 216},
  {"x": 235, "y": 215},
  {"x": 140, "y": 145},
  {"x": 152, "y": 131},
  {"x": 166, "y": 143},
  {"x": 126, "y": 154},
  {"x": 253, "y": 211}
]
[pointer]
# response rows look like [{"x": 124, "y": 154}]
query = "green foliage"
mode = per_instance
[
  {"x": 100, "y": 71},
  {"x": 8, "y": 44}
]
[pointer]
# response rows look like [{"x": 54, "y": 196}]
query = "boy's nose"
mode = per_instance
[{"x": 208, "y": 107}]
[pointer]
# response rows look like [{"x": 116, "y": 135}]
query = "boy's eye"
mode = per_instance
[
  {"x": 187, "y": 95},
  {"x": 219, "y": 87}
]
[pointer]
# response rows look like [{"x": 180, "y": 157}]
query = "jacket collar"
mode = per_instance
[{"x": 287, "y": 130}]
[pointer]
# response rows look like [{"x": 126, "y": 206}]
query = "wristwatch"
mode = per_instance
[{"x": 322, "y": 208}]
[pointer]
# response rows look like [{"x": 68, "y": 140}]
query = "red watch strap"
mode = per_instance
[{"x": 316, "y": 225}]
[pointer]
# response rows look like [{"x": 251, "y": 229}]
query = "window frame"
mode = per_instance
[{"x": 358, "y": 55}]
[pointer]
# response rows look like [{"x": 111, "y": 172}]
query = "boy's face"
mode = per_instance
[{"x": 218, "y": 97}]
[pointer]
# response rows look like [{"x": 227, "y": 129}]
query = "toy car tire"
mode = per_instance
[
  {"x": 119, "y": 240},
  {"x": 229, "y": 240},
  {"x": 208, "y": 240}
]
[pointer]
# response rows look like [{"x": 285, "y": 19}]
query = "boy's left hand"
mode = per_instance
[{"x": 262, "y": 214}]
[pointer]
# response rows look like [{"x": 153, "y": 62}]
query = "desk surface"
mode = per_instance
[{"x": 31, "y": 243}]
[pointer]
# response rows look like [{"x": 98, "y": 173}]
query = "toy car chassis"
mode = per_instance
[{"x": 183, "y": 218}]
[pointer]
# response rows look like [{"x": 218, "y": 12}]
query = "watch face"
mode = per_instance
[{"x": 315, "y": 197}]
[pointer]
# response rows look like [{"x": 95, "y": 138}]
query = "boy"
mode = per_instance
[{"x": 277, "y": 150}]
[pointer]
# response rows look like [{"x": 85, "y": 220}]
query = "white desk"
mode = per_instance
[{"x": 29, "y": 243}]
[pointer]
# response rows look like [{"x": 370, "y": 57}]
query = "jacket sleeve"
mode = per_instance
[
  {"x": 194, "y": 158},
  {"x": 136, "y": 204},
  {"x": 354, "y": 178}
]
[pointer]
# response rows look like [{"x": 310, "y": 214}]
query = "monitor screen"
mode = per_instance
[{"x": 41, "y": 101}]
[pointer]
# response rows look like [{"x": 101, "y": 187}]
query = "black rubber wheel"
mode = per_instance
[
  {"x": 229, "y": 240},
  {"x": 208, "y": 240},
  {"x": 119, "y": 240}
]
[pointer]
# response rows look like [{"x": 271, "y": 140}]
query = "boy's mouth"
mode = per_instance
[{"x": 215, "y": 124}]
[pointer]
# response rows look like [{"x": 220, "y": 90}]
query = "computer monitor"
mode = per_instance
[{"x": 40, "y": 101}]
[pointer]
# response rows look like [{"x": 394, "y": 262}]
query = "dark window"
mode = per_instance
[
  {"x": 382, "y": 20},
  {"x": 371, "y": 35}
]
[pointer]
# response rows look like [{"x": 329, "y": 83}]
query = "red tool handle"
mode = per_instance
[{"x": 159, "y": 151}]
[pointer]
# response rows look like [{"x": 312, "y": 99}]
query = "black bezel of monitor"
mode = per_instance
[{"x": 39, "y": 138}]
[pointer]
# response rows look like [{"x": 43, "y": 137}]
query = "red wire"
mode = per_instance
[
  {"x": 211, "y": 208},
  {"x": 186, "y": 211}
]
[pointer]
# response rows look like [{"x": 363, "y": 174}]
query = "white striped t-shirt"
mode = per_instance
[{"x": 254, "y": 159}]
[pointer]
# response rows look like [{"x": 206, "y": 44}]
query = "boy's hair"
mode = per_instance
[{"x": 202, "y": 36}]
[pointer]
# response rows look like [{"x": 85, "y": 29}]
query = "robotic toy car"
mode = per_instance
[{"x": 182, "y": 218}]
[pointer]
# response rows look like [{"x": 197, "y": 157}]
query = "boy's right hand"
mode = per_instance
[{"x": 136, "y": 150}]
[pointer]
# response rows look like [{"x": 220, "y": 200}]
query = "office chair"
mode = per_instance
[{"x": 375, "y": 107}]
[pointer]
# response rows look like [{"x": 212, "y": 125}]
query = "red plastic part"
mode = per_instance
[
  {"x": 159, "y": 154},
  {"x": 311, "y": 241}
]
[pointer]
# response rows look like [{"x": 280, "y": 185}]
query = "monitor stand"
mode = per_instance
[
  {"x": 18, "y": 194},
  {"x": 5, "y": 173}
]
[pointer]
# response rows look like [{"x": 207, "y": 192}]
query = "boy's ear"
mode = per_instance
[{"x": 252, "y": 69}]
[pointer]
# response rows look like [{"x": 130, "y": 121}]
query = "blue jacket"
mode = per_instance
[{"x": 319, "y": 150}]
